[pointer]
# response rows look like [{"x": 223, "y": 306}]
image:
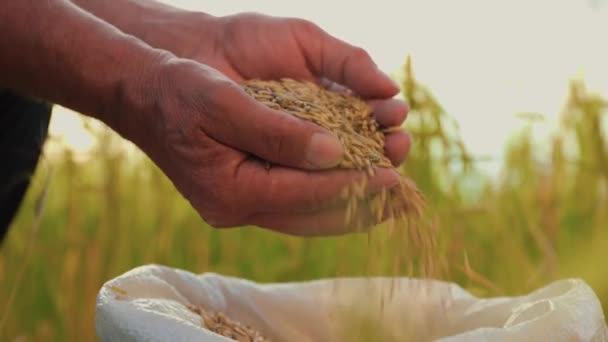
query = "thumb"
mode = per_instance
[{"x": 247, "y": 125}]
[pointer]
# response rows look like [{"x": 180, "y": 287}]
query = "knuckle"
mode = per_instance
[
  {"x": 220, "y": 87},
  {"x": 305, "y": 26},
  {"x": 359, "y": 54},
  {"x": 249, "y": 15}
]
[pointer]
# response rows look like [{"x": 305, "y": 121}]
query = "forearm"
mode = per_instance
[
  {"x": 160, "y": 25},
  {"x": 53, "y": 50}
]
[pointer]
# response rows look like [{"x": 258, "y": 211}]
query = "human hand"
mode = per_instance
[{"x": 202, "y": 129}]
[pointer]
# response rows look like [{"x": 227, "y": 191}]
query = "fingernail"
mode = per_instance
[{"x": 324, "y": 151}]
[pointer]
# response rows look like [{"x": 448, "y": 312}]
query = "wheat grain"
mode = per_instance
[{"x": 222, "y": 325}]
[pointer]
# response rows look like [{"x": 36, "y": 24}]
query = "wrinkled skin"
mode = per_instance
[{"x": 209, "y": 130}]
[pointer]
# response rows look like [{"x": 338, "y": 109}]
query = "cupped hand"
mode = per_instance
[{"x": 211, "y": 138}]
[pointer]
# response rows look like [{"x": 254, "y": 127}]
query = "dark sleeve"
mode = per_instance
[{"x": 23, "y": 130}]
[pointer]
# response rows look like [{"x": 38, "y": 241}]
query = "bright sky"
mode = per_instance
[{"x": 485, "y": 60}]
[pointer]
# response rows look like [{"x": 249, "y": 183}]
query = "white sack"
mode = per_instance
[{"x": 151, "y": 308}]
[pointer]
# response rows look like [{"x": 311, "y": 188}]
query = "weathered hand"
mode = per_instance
[
  {"x": 201, "y": 129},
  {"x": 210, "y": 128}
]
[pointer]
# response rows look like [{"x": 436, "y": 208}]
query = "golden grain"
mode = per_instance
[{"x": 346, "y": 116}]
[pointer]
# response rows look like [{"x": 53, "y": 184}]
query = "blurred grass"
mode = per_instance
[{"x": 542, "y": 218}]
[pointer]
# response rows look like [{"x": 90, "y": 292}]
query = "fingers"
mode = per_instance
[
  {"x": 342, "y": 63},
  {"x": 397, "y": 146},
  {"x": 392, "y": 113},
  {"x": 285, "y": 190}
]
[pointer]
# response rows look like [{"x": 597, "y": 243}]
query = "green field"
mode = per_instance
[{"x": 541, "y": 218}]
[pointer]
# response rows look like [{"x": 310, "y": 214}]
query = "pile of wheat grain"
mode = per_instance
[
  {"x": 222, "y": 325},
  {"x": 347, "y": 116}
]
